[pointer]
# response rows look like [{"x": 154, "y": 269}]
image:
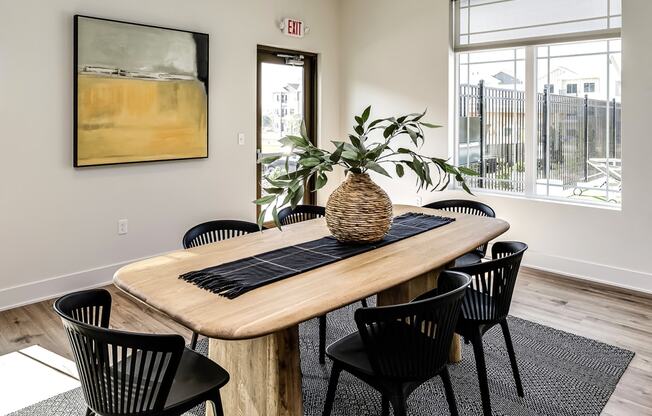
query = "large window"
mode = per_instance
[{"x": 540, "y": 117}]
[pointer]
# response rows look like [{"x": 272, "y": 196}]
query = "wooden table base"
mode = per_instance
[
  {"x": 265, "y": 374},
  {"x": 409, "y": 290}
]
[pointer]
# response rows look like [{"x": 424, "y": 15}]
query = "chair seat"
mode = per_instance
[
  {"x": 196, "y": 376},
  {"x": 468, "y": 259},
  {"x": 350, "y": 352}
]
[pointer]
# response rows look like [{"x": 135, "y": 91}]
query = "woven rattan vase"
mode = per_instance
[{"x": 359, "y": 211}]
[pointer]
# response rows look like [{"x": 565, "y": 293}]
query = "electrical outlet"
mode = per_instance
[
  {"x": 123, "y": 227},
  {"x": 241, "y": 139},
  {"x": 419, "y": 201}
]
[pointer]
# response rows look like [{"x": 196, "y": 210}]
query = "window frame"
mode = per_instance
[{"x": 530, "y": 128}]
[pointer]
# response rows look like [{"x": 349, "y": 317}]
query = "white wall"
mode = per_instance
[
  {"x": 397, "y": 58},
  {"x": 60, "y": 223}
]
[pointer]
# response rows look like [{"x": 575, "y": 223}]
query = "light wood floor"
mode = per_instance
[{"x": 612, "y": 316}]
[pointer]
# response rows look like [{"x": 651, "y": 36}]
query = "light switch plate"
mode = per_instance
[{"x": 241, "y": 139}]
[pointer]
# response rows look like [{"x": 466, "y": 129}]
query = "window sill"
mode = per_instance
[{"x": 553, "y": 200}]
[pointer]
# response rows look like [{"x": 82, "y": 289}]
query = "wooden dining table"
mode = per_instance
[{"x": 255, "y": 336}]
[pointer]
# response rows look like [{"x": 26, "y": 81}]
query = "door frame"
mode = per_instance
[{"x": 269, "y": 54}]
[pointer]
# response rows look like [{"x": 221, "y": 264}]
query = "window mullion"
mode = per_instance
[{"x": 530, "y": 121}]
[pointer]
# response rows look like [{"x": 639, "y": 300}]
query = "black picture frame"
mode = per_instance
[{"x": 203, "y": 69}]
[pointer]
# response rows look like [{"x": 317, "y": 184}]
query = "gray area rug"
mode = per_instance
[{"x": 563, "y": 374}]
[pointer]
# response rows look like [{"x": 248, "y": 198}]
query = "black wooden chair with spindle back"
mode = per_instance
[
  {"x": 131, "y": 374},
  {"x": 302, "y": 213},
  {"x": 487, "y": 303},
  {"x": 212, "y": 232},
  {"x": 398, "y": 348},
  {"x": 465, "y": 206}
]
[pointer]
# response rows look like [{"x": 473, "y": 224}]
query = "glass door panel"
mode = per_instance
[{"x": 284, "y": 103}]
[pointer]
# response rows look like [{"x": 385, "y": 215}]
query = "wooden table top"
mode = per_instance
[{"x": 279, "y": 305}]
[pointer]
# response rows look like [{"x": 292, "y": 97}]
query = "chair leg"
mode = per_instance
[
  {"x": 322, "y": 339},
  {"x": 399, "y": 403},
  {"x": 448, "y": 389},
  {"x": 332, "y": 387},
  {"x": 385, "y": 405},
  {"x": 512, "y": 357},
  {"x": 89, "y": 412},
  {"x": 364, "y": 302},
  {"x": 193, "y": 341},
  {"x": 216, "y": 403},
  {"x": 478, "y": 351}
]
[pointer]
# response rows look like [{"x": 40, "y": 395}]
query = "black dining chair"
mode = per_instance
[
  {"x": 211, "y": 232},
  {"x": 487, "y": 303},
  {"x": 131, "y": 374},
  {"x": 398, "y": 348},
  {"x": 465, "y": 206},
  {"x": 301, "y": 213},
  {"x": 218, "y": 230}
]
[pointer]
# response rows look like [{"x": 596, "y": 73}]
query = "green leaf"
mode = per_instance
[
  {"x": 275, "y": 217},
  {"x": 269, "y": 159},
  {"x": 430, "y": 126},
  {"x": 335, "y": 156},
  {"x": 320, "y": 181},
  {"x": 400, "y": 171},
  {"x": 359, "y": 120},
  {"x": 274, "y": 190},
  {"x": 356, "y": 141},
  {"x": 413, "y": 136},
  {"x": 404, "y": 150},
  {"x": 376, "y": 168},
  {"x": 389, "y": 131},
  {"x": 376, "y": 122},
  {"x": 298, "y": 194},
  {"x": 294, "y": 141},
  {"x": 265, "y": 200},
  {"x": 309, "y": 162},
  {"x": 359, "y": 130},
  {"x": 467, "y": 171},
  {"x": 261, "y": 219},
  {"x": 365, "y": 114},
  {"x": 351, "y": 155}
]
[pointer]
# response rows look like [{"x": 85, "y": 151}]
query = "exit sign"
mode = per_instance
[{"x": 293, "y": 27}]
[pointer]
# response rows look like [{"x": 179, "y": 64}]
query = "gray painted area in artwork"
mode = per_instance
[{"x": 132, "y": 48}]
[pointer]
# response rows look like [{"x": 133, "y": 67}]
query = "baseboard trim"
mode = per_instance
[
  {"x": 53, "y": 287},
  {"x": 632, "y": 281}
]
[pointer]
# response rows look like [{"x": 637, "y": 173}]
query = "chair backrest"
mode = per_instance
[
  {"x": 492, "y": 285},
  {"x": 465, "y": 206},
  {"x": 300, "y": 213},
  {"x": 411, "y": 341},
  {"x": 121, "y": 373},
  {"x": 213, "y": 231}
]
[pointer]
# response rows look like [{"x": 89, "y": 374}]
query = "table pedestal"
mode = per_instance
[
  {"x": 265, "y": 374},
  {"x": 407, "y": 291}
]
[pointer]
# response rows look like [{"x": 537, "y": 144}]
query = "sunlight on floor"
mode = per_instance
[{"x": 31, "y": 375}]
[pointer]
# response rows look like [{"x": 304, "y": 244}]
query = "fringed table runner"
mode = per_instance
[{"x": 237, "y": 277}]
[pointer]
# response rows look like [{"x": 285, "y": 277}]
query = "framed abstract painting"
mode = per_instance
[{"x": 141, "y": 93}]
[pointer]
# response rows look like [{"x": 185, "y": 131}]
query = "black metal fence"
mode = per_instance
[{"x": 570, "y": 131}]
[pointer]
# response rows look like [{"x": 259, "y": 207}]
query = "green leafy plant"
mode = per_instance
[{"x": 360, "y": 154}]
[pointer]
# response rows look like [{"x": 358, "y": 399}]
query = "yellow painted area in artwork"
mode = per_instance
[{"x": 132, "y": 120}]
